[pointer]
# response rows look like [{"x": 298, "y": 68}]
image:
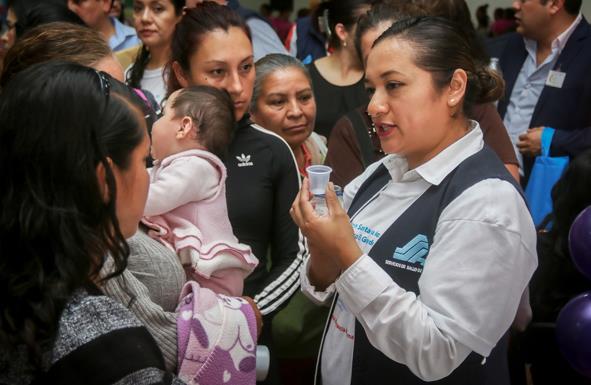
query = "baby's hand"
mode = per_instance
[{"x": 257, "y": 314}]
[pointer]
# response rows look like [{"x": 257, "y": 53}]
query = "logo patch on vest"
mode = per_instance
[{"x": 414, "y": 252}]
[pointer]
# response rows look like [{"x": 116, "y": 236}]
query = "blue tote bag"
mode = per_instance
[{"x": 544, "y": 175}]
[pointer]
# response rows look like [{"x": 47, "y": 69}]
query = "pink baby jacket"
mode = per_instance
[{"x": 186, "y": 209}]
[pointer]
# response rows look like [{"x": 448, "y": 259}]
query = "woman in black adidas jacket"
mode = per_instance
[{"x": 212, "y": 46}]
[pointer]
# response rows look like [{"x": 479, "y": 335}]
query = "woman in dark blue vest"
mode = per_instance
[{"x": 427, "y": 266}]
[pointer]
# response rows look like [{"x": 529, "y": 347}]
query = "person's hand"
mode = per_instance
[
  {"x": 331, "y": 236},
  {"x": 257, "y": 314},
  {"x": 530, "y": 143}
]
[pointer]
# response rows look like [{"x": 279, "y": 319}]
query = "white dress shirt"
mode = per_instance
[{"x": 482, "y": 257}]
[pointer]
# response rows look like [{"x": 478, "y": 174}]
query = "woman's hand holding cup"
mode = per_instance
[{"x": 330, "y": 238}]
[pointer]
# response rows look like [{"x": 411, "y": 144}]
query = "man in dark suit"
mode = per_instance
[{"x": 546, "y": 68}]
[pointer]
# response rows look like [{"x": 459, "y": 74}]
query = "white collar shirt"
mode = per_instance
[{"x": 481, "y": 259}]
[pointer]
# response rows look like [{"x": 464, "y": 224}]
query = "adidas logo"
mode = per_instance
[
  {"x": 244, "y": 161},
  {"x": 414, "y": 251}
]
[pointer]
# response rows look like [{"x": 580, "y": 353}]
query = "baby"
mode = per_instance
[{"x": 186, "y": 208}]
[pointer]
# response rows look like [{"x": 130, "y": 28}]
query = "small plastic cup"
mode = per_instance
[{"x": 318, "y": 175}]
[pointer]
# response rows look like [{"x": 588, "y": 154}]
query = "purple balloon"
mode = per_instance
[
  {"x": 579, "y": 242},
  {"x": 573, "y": 333}
]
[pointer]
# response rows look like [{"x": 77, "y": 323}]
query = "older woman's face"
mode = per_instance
[
  {"x": 410, "y": 115},
  {"x": 286, "y": 105},
  {"x": 223, "y": 60}
]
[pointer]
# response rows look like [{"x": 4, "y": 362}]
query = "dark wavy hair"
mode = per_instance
[
  {"x": 440, "y": 48},
  {"x": 136, "y": 73},
  {"x": 570, "y": 195},
  {"x": 190, "y": 31},
  {"x": 58, "y": 123}
]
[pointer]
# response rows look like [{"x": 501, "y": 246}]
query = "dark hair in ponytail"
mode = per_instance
[
  {"x": 136, "y": 72},
  {"x": 441, "y": 48}
]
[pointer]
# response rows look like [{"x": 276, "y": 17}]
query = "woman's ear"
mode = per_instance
[
  {"x": 180, "y": 74},
  {"x": 457, "y": 89},
  {"x": 101, "y": 177},
  {"x": 342, "y": 33}
]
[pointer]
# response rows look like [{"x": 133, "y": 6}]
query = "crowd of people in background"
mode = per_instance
[
  {"x": 503, "y": 21},
  {"x": 157, "y": 224}
]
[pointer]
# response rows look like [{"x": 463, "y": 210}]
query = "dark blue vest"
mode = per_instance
[{"x": 416, "y": 226}]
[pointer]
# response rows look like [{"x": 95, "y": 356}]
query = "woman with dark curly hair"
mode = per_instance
[{"x": 74, "y": 185}]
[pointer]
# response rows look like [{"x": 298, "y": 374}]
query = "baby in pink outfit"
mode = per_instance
[{"x": 186, "y": 208}]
